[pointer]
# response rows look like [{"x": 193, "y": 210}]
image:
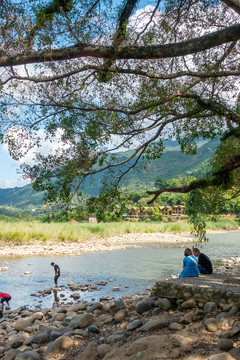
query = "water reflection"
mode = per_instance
[{"x": 56, "y": 298}]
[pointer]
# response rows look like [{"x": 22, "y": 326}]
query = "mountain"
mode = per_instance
[{"x": 172, "y": 164}]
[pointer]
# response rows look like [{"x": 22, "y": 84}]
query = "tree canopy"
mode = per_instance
[{"x": 89, "y": 78}]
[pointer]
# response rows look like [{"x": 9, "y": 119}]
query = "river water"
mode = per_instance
[{"x": 132, "y": 270}]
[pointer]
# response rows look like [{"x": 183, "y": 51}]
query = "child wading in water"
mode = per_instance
[{"x": 4, "y": 297}]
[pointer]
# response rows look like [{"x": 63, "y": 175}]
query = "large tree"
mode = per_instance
[{"x": 99, "y": 76}]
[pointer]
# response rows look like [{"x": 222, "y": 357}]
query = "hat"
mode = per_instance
[{"x": 52, "y": 263}]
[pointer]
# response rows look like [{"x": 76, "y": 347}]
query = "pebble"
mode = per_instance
[{"x": 225, "y": 344}]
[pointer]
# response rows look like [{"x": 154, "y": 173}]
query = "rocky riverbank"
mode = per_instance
[{"x": 133, "y": 327}]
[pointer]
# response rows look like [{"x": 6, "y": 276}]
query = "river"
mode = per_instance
[{"x": 132, "y": 270}]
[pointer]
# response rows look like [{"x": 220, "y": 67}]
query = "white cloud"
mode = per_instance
[{"x": 6, "y": 184}]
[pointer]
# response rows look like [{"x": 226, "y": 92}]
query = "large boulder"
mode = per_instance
[
  {"x": 10, "y": 354},
  {"x": 135, "y": 347},
  {"x": 22, "y": 324},
  {"x": 143, "y": 307},
  {"x": 81, "y": 321},
  {"x": 225, "y": 344},
  {"x": 221, "y": 356},
  {"x": 210, "y": 306},
  {"x": 153, "y": 325},
  {"x": 103, "y": 349},
  {"x": 28, "y": 355},
  {"x": 164, "y": 304},
  {"x": 212, "y": 324},
  {"x": 134, "y": 325},
  {"x": 120, "y": 316},
  {"x": 189, "y": 304},
  {"x": 55, "y": 347},
  {"x": 37, "y": 316}
]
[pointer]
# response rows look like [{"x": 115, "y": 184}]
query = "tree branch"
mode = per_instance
[
  {"x": 171, "y": 50},
  {"x": 117, "y": 70},
  {"x": 217, "y": 178},
  {"x": 234, "y": 4}
]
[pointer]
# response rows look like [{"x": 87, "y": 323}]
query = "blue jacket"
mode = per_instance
[{"x": 190, "y": 268}]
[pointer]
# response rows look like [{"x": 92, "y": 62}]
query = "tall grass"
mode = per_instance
[
  {"x": 21, "y": 232},
  {"x": 222, "y": 224}
]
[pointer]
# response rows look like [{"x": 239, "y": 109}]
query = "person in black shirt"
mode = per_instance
[
  {"x": 204, "y": 263},
  {"x": 57, "y": 273}
]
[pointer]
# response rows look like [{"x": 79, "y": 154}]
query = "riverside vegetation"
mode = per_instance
[{"x": 21, "y": 232}]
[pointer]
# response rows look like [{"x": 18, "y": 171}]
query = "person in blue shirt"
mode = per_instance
[{"x": 190, "y": 265}]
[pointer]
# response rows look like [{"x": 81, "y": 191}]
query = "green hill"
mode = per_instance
[{"x": 172, "y": 164}]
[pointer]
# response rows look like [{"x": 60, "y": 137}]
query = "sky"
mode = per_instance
[{"x": 9, "y": 174}]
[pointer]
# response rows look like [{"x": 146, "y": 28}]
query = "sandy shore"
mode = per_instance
[{"x": 78, "y": 248}]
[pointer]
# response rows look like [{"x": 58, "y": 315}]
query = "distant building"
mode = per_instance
[
  {"x": 173, "y": 210},
  {"x": 92, "y": 218},
  {"x": 148, "y": 211}
]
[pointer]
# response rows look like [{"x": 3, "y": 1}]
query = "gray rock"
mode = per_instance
[
  {"x": 28, "y": 355},
  {"x": 143, "y": 307},
  {"x": 103, "y": 349},
  {"x": 48, "y": 291},
  {"x": 233, "y": 310},
  {"x": 21, "y": 324},
  {"x": 95, "y": 306},
  {"x": 108, "y": 320},
  {"x": 114, "y": 337},
  {"x": 116, "y": 306},
  {"x": 55, "y": 347},
  {"x": 187, "y": 318},
  {"x": 134, "y": 325},
  {"x": 198, "y": 315},
  {"x": 156, "y": 311},
  {"x": 90, "y": 351},
  {"x": 225, "y": 334},
  {"x": 41, "y": 338},
  {"x": 76, "y": 295},
  {"x": 221, "y": 356},
  {"x": 210, "y": 306},
  {"x": 189, "y": 304},
  {"x": 44, "y": 328},
  {"x": 73, "y": 287},
  {"x": 59, "y": 317},
  {"x": 120, "y": 316},
  {"x": 27, "y": 348},
  {"x": 81, "y": 321},
  {"x": 10, "y": 354},
  {"x": 93, "y": 329},
  {"x": 18, "y": 341},
  {"x": 235, "y": 353},
  {"x": 54, "y": 334},
  {"x": 153, "y": 325},
  {"x": 80, "y": 306},
  {"x": 135, "y": 347},
  {"x": 223, "y": 315},
  {"x": 212, "y": 324},
  {"x": 164, "y": 304},
  {"x": 176, "y": 326},
  {"x": 37, "y": 316},
  {"x": 225, "y": 344},
  {"x": 235, "y": 330}
]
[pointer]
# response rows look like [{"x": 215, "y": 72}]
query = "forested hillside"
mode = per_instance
[{"x": 172, "y": 164}]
